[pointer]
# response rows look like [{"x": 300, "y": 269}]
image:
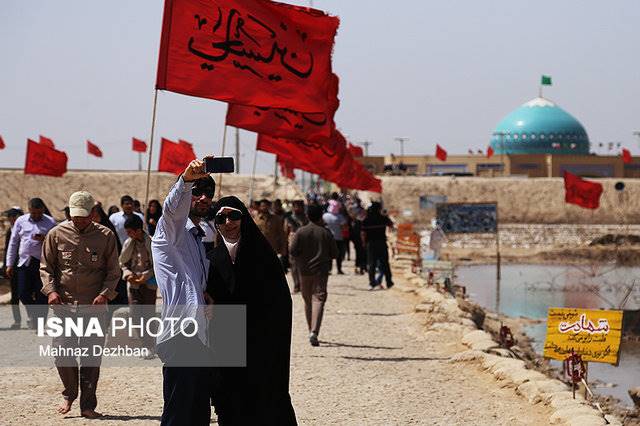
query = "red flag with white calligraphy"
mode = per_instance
[
  {"x": 138, "y": 145},
  {"x": 2, "y": 145},
  {"x": 249, "y": 52},
  {"x": 175, "y": 157},
  {"x": 93, "y": 149},
  {"x": 626, "y": 156},
  {"x": 287, "y": 123},
  {"x": 44, "y": 160}
]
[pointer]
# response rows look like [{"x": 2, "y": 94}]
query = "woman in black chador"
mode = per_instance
[{"x": 245, "y": 270}]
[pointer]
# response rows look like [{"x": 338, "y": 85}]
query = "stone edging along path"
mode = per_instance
[{"x": 442, "y": 311}]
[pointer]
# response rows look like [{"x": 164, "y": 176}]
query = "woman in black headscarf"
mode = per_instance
[{"x": 245, "y": 270}]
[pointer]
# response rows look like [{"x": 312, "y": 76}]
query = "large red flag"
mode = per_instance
[
  {"x": 2, "y": 145},
  {"x": 175, "y": 157},
  {"x": 93, "y": 149},
  {"x": 138, "y": 145},
  {"x": 46, "y": 141},
  {"x": 287, "y": 123},
  {"x": 441, "y": 154},
  {"x": 249, "y": 52},
  {"x": 334, "y": 164},
  {"x": 626, "y": 156},
  {"x": 581, "y": 192},
  {"x": 44, "y": 160}
]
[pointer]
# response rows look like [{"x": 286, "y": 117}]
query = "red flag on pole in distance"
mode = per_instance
[
  {"x": 138, "y": 145},
  {"x": 626, "y": 156},
  {"x": 2, "y": 145},
  {"x": 490, "y": 152},
  {"x": 249, "y": 52},
  {"x": 44, "y": 160},
  {"x": 441, "y": 154},
  {"x": 93, "y": 149},
  {"x": 581, "y": 192},
  {"x": 286, "y": 169},
  {"x": 287, "y": 123},
  {"x": 46, "y": 141},
  {"x": 174, "y": 157}
]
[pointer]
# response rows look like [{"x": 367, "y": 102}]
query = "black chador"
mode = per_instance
[{"x": 257, "y": 394}]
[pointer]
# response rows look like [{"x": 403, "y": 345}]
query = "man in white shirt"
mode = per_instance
[
  {"x": 181, "y": 268},
  {"x": 25, "y": 251},
  {"x": 118, "y": 219}
]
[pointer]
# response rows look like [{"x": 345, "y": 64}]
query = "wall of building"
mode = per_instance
[{"x": 531, "y": 165}]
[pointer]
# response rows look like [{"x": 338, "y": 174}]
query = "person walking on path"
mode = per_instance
[
  {"x": 313, "y": 248},
  {"x": 181, "y": 268},
  {"x": 374, "y": 238},
  {"x": 25, "y": 251},
  {"x": 136, "y": 263},
  {"x": 272, "y": 227},
  {"x": 335, "y": 222},
  {"x": 118, "y": 219},
  {"x": 294, "y": 221},
  {"x": 245, "y": 270},
  {"x": 12, "y": 214},
  {"x": 80, "y": 267}
]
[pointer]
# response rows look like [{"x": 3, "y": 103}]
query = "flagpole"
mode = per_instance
[
  {"x": 139, "y": 161},
  {"x": 253, "y": 173},
  {"x": 153, "y": 128},
  {"x": 224, "y": 145}
]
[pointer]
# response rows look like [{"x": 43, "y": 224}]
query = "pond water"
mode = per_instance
[{"x": 529, "y": 290}]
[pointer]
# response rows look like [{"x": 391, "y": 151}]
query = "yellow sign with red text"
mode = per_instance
[{"x": 593, "y": 334}]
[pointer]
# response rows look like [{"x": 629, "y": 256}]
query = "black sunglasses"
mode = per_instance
[
  {"x": 221, "y": 218},
  {"x": 197, "y": 192}
]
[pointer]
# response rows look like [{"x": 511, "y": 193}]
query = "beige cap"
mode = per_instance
[{"x": 81, "y": 203}]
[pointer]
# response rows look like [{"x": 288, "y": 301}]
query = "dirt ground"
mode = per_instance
[{"x": 375, "y": 366}]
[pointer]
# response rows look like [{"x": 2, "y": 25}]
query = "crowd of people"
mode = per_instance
[{"x": 195, "y": 252}]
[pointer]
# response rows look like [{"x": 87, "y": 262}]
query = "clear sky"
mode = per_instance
[{"x": 439, "y": 72}]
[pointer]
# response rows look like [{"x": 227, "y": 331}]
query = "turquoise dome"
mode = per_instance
[{"x": 540, "y": 127}]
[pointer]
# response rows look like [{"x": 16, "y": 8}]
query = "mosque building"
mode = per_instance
[{"x": 537, "y": 139}]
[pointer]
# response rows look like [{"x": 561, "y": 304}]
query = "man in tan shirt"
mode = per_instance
[
  {"x": 272, "y": 227},
  {"x": 79, "y": 266}
]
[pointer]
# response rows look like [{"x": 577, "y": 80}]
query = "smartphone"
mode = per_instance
[{"x": 219, "y": 165}]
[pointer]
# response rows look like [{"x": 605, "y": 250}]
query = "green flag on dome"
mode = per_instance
[{"x": 546, "y": 80}]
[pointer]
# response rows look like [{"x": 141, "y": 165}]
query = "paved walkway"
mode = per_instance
[{"x": 375, "y": 366}]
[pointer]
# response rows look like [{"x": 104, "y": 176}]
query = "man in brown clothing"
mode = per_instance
[
  {"x": 313, "y": 249},
  {"x": 79, "y": 266},
  {"x": 272, "y": 227}
]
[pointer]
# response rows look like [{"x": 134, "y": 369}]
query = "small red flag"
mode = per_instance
[
  {"x": 44, "y": 160},
  {"x": 248, "y": 52},
  {"x": 2, "y": 145},
  {"x": 626, "y": 156},
  {"x": 490, "y": 152},
  {"x": 175, "y": 157},
  {"x": 93, "y": 149},
  {"x": 581, "y": 192},
  {"x": 286, "y": 168},
  {"x": 46, "y": 141},
  {"x": 441, "y": 154},
  {"x": 138, "y": 145}
]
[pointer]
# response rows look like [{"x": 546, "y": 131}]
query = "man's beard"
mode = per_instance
[{"x": 196, "y": 212}]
